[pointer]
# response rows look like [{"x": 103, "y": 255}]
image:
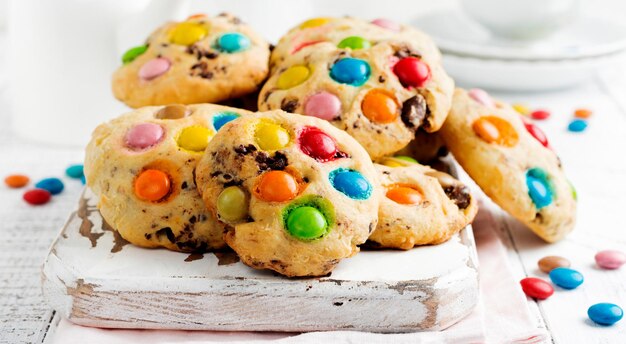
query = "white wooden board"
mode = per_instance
[{"x": 92, "y": 277}]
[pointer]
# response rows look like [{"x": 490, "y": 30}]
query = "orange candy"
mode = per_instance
[
  {"x": 16, "y": 181},
  {"x": 404, "y": 195},
  {"x": 582, "y": 113},
  {"x": 496, "y": 130},
  {"x": 277, "y": 186},
  {"x": 152, "y": 185},
  {"x": 195, "y": 16},
  {"x": 380, "y": 106}
]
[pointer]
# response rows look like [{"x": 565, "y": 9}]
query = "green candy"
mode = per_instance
[
  {"x": 574, "y": 193},
  {"x": 406, "y": 158},
  {"x": 306, "y": 223},
  {"x": 354, "y": 43},
  {"x": 232, "y": 204},
  {"x": 131, "y": 54}
]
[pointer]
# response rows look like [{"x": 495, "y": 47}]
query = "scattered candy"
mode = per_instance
[
  {"x": 536, "y": 288},
  {"x": 75, "y": 171},
  {"x": 351, "y": 183},
  {"x": 293, "y": 76},
  {"x": 605, "y": 313},
  {"x": 233, "y": 42},
  {"x": 521, "y": 109},
  {"x": 314, "y": 23},
  {"x": 277, "y": 186},
  {"x": 174, "y": 111},
  {"x": 539, "y": 187},
  {"x": 323, "y": 105},
  {"x": 583, "y": 113},
  {"x": 387, "y": 24},
  {"x": 232, "y": 204},
  {"x": 53, "y": 185},
  {"x": 404, "y": 195},
  {"x": 143, "y": 135},
  {"x": 187, "y": 33},
  {"x": 152, "y": 185},
  {"x": 154, "y": 68},
  {"x": 610, "y": 259},
  {"x": 131, "y": 54},
  {"x": 271, "y": 136},
  {"x": 194, "y": 138},
  {"x": 354, "y": 43},
  {"x": 549, "y": 263},
  {"x": 16, "y": 181},
  {"x": 350, "y": 71},
  {"x": 540, "y": 114},
  {"x": 37, "y": 196},
  {"x": 482, "y": 97},
  {"x": 566, "y": 278},
  {"x": 537, "y": 133},
  {"x": 317, "y": 144},
  {"x": 496, "y": 130},
  {"x": 380, "y": 106},
  {"x": 306, "y": 223},
  {"x": 412, "y": 72},
  {"x": 222, "y": 118},
  {"x": 577, "y": 125}
]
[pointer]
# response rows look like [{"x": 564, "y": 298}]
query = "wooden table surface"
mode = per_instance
[{"x": 594, "y": 160}]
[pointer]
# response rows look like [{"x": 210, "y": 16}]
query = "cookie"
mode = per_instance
[
  {"x": 512, "y": 163},
  {"x": 421, "y": 206},
  {"x": 297, "y": 194},
  {"x": 201, "y": 60},
  {"x": 378, "y": 84},
  {"x": 140, "y": 166},
  {"x": 425, "y": 148}
]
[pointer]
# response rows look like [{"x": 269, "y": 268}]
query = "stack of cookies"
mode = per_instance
[{"x": 328, "y": 164}]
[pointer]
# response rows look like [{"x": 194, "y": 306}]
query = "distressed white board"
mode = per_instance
[{"x": 93, "y": 278}]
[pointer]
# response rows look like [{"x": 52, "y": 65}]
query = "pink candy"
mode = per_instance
[
  {"x": 387, "y": 24},
  {"x": 144, "y": 135},
  {"x": 482, "y": 97},
  {"x": 323, "y": 105},
  {"x": 154, "y": 68},
  {"x": 610, "y": 259}
]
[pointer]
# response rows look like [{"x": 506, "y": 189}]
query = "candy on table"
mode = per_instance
[
  {"x": 566, "y": 278},
  {"x": 537, "y": 134},
  {"x": 53, "y": 185},
  {"x": 583, "y": 113},
  {"x": 605, "y": 313},
  {"x": 16, "y": 180},
  {"x": 610, "y": 259},
  {"x": 521, "y": 109},
  {"x": 540, "y": 114},
  {"x": 549, "y": 263},
  {"x": 324, "y": 105},
  {"x": 577, "y": 125},
  {"x": 37, "y": 196},
  {"x": 75, "y": 171},
  {"x": 536, "y": 288}
]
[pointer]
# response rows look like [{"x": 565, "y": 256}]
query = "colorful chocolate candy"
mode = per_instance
[
  {"x": 540, "y": 189},
  {"x": 233, "y": 42},
  {"x": 154, "y": 68},
  {"x": 187, "y": 33},
  {"x": 380, "y": 106},
  {"x": 403, "y": 194},
  {"x": 37, "y": 196},
  {"x": 324, "y": 105},
  {"x": 536, "y": 288},
  {"x": 387, "y": 24},
  {"x": 53, "y": 185},
  {"x": 351, "y": 183},
  {"x": 131, "y": 54},
  {"x": 314, "y": 22},
  {"x": 610, "y": 259},
  {"x": 222, "y": 118},
  {"x": 412, "y": 72},
  {"x": 493, "y": 129},
  {"x": 194, "y": 138},
  {"x": 152, "y": 185},
  {"x": 293, "y": 76},
  {"x": 577, "y": 126},
  {"x": 232, "y": 204},
  {"x": 317, "y": 144},
  {"x": 521, "y": 109},
  {"x": 354, "y": 43},
  {"x": 540, "y": 114},
  {"x": 537, "y": 133},
  {"x": 583, "y": 113},
  {"x": 75, "y": 171},
  {"x": 566, "y": 278},
  {"x": 306, "y": 223},
  {"x": 482, "y": 97},
  {"x": 277, "y": 186},
  {"x": 143, "y": 135},
  {"x": 16, "y": 180},
  {"x": 549, "y": 263},
  {"x": 271, "y": 136},
  {"x": 351, "y": 71},
  {"x": 174, "y": 111},
  {"x": 605, "y": 313}
]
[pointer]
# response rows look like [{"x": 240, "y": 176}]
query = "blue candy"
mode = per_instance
[
  {"x": 53, "y": 185},
  {"x": 577, "y": 125},
  {"x": 75, "y": 171},
  {"x": 351, "y": 183},
  {"x": 351, "y": 71},
  {"x": 233, "y": 42},
  {"x": 539, "y": 187},
  {"x": 605, "y": 313},
  {"x": 222, "y": 118},
  {"x": 566, "y": 278},
  {"x": 83, "y": 180}
]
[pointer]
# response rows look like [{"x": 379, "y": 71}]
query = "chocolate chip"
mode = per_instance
[
  {"x": 192, "y": 219},
  {"x": 381, "y": 79},
  {"x": 148, "y": 236},
  {"x": 459, "y": 194},
  {"x": 167, "y": 231},
  {"x": 414, "y": 112},
  {"x": 277, "y": 162},
  {"x": 183, "y": 185},
  {"x": 245, "y": 150},
  {"x": 289, "y": 105},
  {"x": 173, "y": 111}
]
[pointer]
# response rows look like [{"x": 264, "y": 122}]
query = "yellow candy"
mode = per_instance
[
  {"x": 314, "y": 22},
  {"x": 293, "y": 76},
  {"x": 270, "y": 136},
  {"x": 391, "y": 163},
  {"x": 521, "y": 108},
  {"x": 194, "y": 138},
  {"x": 187, "y": 33}
]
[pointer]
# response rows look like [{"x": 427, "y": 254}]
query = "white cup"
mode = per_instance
[{"x": 522, "y": 19}]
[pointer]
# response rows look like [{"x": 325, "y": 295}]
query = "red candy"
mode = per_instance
[
  {"x": 537, "y": 133},
  {"x": 537, "y": 288},
  {"x": 412, "y": 72},
  {"x": 317, "y": 144},
  {"x": 539, "y": 114},
  {"x": 37, "y": 196},
  {"x": 304, "y": 45}
]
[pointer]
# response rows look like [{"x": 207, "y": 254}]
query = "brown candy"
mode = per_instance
[
  {"x": 547, "y": 264},
  {"x": 174, "y": 111}
]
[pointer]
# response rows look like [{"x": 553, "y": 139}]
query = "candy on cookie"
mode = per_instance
[
  {"x": 200, "y": 60},
  {"x": 511, "y": 160},
  {"x": 420, "y": 206},
  {"x": 140, "y": 166},
  {"x": 378, "y": 84},
  {"x": 297, "y": 195}
]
